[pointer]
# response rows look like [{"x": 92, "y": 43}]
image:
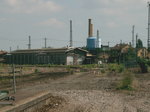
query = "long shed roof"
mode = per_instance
[{"x": 46, "y": 50}]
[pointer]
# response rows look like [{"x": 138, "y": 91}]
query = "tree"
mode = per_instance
[{"x": 139, "y": 44}]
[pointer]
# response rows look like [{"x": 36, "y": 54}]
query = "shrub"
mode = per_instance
[
  {"x": 102, "y": 71},
  {"x": 126, "y": 82},
  {"x": 116, "y": 68},
  {"x": 112, "y": 67},
  {"x": 121, "y": 68},
  {"x": 36, "y": 70},
  {"x": 70, "y": 70},
  {"x": 143, "y": 65},
  {"x": 101, "y": 66}
]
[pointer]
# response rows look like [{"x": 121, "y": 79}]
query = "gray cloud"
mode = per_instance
[
  {"x": 52, "y": 22},
  {"x": 30, "y": 6}
]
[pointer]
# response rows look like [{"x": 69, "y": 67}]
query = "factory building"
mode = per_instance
[
  {"x": 93, "y": 42},
  {"x": 2, "y": 54},
  {"x": 64, "y": 56}
]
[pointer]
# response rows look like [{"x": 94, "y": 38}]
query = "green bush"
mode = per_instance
[
  {"x": 148, "y": 62},
  {"x": 126, "y": 82},
  {"x": 102, "y": 71},
  {"x": 101, "y": 66},
  {"x": 116, "y": 68},
  {"x": 121, "y": 68},
  {"x": 143, "y": 65},
  {"x": 70, "y": 70},
  {"x": 36, "y": 70}
]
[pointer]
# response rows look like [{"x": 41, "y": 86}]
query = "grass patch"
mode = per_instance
[
  {"x": 36, "y": 71},
  {"x": 126, "y": 82},
  {"x": 116, "y": 68},
  {"x": 102, "y": 71}
]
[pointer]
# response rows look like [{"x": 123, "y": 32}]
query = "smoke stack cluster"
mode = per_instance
[{"x": 90, "y": 28}]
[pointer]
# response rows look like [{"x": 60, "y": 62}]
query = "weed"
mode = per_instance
[
  {"x": 116, "y": 68},
  {"x": 126, "y": 82},
  {"x": 102, "y": 71},
  {"x": 101, "y": 66},
  {"x": 36, "y": 70},
  {"x": 121, "y": 68}
]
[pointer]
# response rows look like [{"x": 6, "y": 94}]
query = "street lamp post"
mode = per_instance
[{"x": 13, "y": 71}]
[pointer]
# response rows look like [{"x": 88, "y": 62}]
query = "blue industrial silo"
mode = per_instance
[{"x": 91, "y": 42}]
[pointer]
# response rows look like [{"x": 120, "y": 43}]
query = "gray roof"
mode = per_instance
[{"x": 46, "y": 50}]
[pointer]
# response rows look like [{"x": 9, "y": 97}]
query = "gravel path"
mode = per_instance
[{"x": 86, "y": 92}]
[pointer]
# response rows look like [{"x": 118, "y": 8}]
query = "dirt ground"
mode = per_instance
[{"x": 88, "y": 92}]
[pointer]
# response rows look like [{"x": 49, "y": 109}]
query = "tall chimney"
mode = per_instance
[
  {"x": 97, "y": 34},
  {"x": 71, "y": 41},
  {"x": 29, "y": 45},
  {"x": 148, "y": 39},
  {"x": 91, "y": 32},
  {"x": 90, "y": 28}
]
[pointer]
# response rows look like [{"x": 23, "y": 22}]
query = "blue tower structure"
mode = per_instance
[{"x": 92, "y": 42}]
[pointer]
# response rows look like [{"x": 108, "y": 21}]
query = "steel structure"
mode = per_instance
[
  {"x": 71, "y": 41},
  {"x": 133, "y": 36},
  {"x": 148, "y": 40}
]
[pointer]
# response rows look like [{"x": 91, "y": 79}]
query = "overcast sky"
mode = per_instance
[{"x": 50, "y": 19}]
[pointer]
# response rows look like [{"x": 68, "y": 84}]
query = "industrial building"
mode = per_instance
[
  {"x": 64, "y": 56},
  {"x": 2, "y": 54},
  {"x": 93, "y": 42}
]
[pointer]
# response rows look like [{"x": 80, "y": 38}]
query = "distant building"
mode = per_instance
[
  {"x": 103, "y": 57},
  {"x": 142, "y": 53},
  {"x": 2, "y": 53},
  {"x": 105, "y": 47},
  {"x": 120, "y": 53},
  {"x": 122, "y": 48},
  {"x": 64, "y": 56}
]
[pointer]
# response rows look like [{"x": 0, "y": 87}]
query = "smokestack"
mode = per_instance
[
  {"x": 97, "y": 34},
  {"x": 90, "y": 28},
  {"x": 133, "y": 36},
  {"x": 71, "y": 41},
  {"x": 148, "y": 39},
  {"x": 91, "y": 32},
  {"x": 29, "y": 45}
]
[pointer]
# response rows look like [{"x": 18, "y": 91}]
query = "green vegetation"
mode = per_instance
[
  {"x": 139, "y": 44},
  {"x": 102, "y": 71},
  {"x": 143, "y": 65},
  {"x": 116, "y": 68},
  {"x": 126, "y": 82},
  {"x": 36, "y": 71},
  {"x": 101, "y": 66}
]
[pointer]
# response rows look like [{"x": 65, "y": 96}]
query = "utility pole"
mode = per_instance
[
  {"x": 98, "y": 46},
  {"x": 108, "y": 44},
  {"x": 14, "y": 78},
  {"x": 136, "y": 45},
  {"x": 71, "y": 41},
  {"x": 17, "y": 47},
  {"x": 148, "y": 40},
  {"x": 10, "y": 49},
  {"x": 136, "y": 40},
  {"x": 29, "y": 45},
  {"x": 120, "y": 41},
  {"x": 45, "y": 42},
  {"x": 133, "y": 36}
]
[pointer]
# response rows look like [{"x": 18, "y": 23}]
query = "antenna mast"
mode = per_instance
[
  {"x": 29, "y": 45},
  {"x": 71, "y": 41},
  {"x": 148, "y": 40},
  {"x": 45, "y": 42},
  {"x": 133, "y": 36}
]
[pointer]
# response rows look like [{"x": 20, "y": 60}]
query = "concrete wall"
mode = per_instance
[{"x": 30, "y": 106}]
